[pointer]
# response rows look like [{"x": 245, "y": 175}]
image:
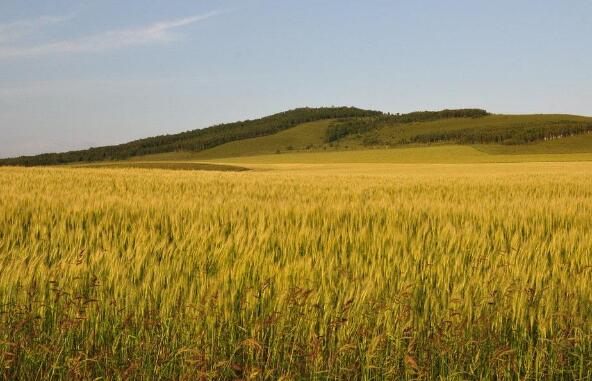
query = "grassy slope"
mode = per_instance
[{"x": 297, "y": 138}]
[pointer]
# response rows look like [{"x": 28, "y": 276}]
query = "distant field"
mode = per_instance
[
  {"x": 560, "y": 150},
  {"x": 171, "y": 165},
  {"x": 427, "y": 154},
  {"x": 302, "y": 271}
]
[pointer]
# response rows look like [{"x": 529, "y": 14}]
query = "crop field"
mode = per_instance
[
  {"x": 171, "y": 165},
  {"x": 434, "y": 154},
  {"x": 336, "y": 271}
]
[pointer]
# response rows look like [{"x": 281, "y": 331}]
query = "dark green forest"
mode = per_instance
[
  {"x": 510, "y": 134},
  {"x": 358, "y": 125}
]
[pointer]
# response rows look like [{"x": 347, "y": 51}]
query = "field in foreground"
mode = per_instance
[{"x": 475, "y": 271}]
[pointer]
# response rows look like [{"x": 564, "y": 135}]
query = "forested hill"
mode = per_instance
[
  {"x": 336, "y": 128},
  {"x": 196, "y": 140}
]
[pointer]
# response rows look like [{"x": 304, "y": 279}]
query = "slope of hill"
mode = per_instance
[
  {"x": 306, "y": 136},
  {"x": 196, "y": 140},
  {"x": 581, "y": 143},
  {"x": 387, "y": 130},
  {"x": 372, "y": 146},
  {"x": 344, "y": 129}
]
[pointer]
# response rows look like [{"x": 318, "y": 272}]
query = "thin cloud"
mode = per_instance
[
  {"x": 111, "y": 40},
  {"x": 14, "y": 30}
]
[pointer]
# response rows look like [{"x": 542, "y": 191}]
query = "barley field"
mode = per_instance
[{"x": 451, "y": 272}]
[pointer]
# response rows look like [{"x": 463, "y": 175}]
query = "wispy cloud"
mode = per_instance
[
  {"x": 110, "y": 40},
  {"x": 14, "y": 30}
]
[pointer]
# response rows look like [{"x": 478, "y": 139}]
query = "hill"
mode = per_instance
[
  {"x": 347, "y": 128},
  {"x": 390, "y": 143},
  {"x": 195, "y": 140}
]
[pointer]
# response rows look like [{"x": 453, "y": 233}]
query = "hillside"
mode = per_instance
[
  {"x": 508, "y": 130},
  {"x": 307, "y": 143},
  {"x": 303, "y": 136},
  {"x": 345, "y": 129},
  {"x": 196, "y": 140},
  {"x": 306, "y": 136}
]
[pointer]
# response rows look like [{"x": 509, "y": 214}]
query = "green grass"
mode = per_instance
[{"x": 296, "y": 138}]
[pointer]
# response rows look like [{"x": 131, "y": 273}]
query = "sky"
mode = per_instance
[{"x": 82, "y": 73}]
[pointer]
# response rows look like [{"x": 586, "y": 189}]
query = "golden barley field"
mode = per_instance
[{"x": 360, "y": 271}]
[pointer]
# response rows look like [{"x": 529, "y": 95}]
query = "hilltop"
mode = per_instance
[{"x": 345, "y": 129}]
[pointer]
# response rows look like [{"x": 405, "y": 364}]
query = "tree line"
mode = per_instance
[
  {"x": 359, "y": 125},
  {"x": 509, "y": 134}
]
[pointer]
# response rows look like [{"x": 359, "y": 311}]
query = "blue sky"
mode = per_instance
[{"x": 75, "y": 74}]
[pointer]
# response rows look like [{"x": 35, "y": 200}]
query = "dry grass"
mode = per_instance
[{"x": 404, "y": 272}]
